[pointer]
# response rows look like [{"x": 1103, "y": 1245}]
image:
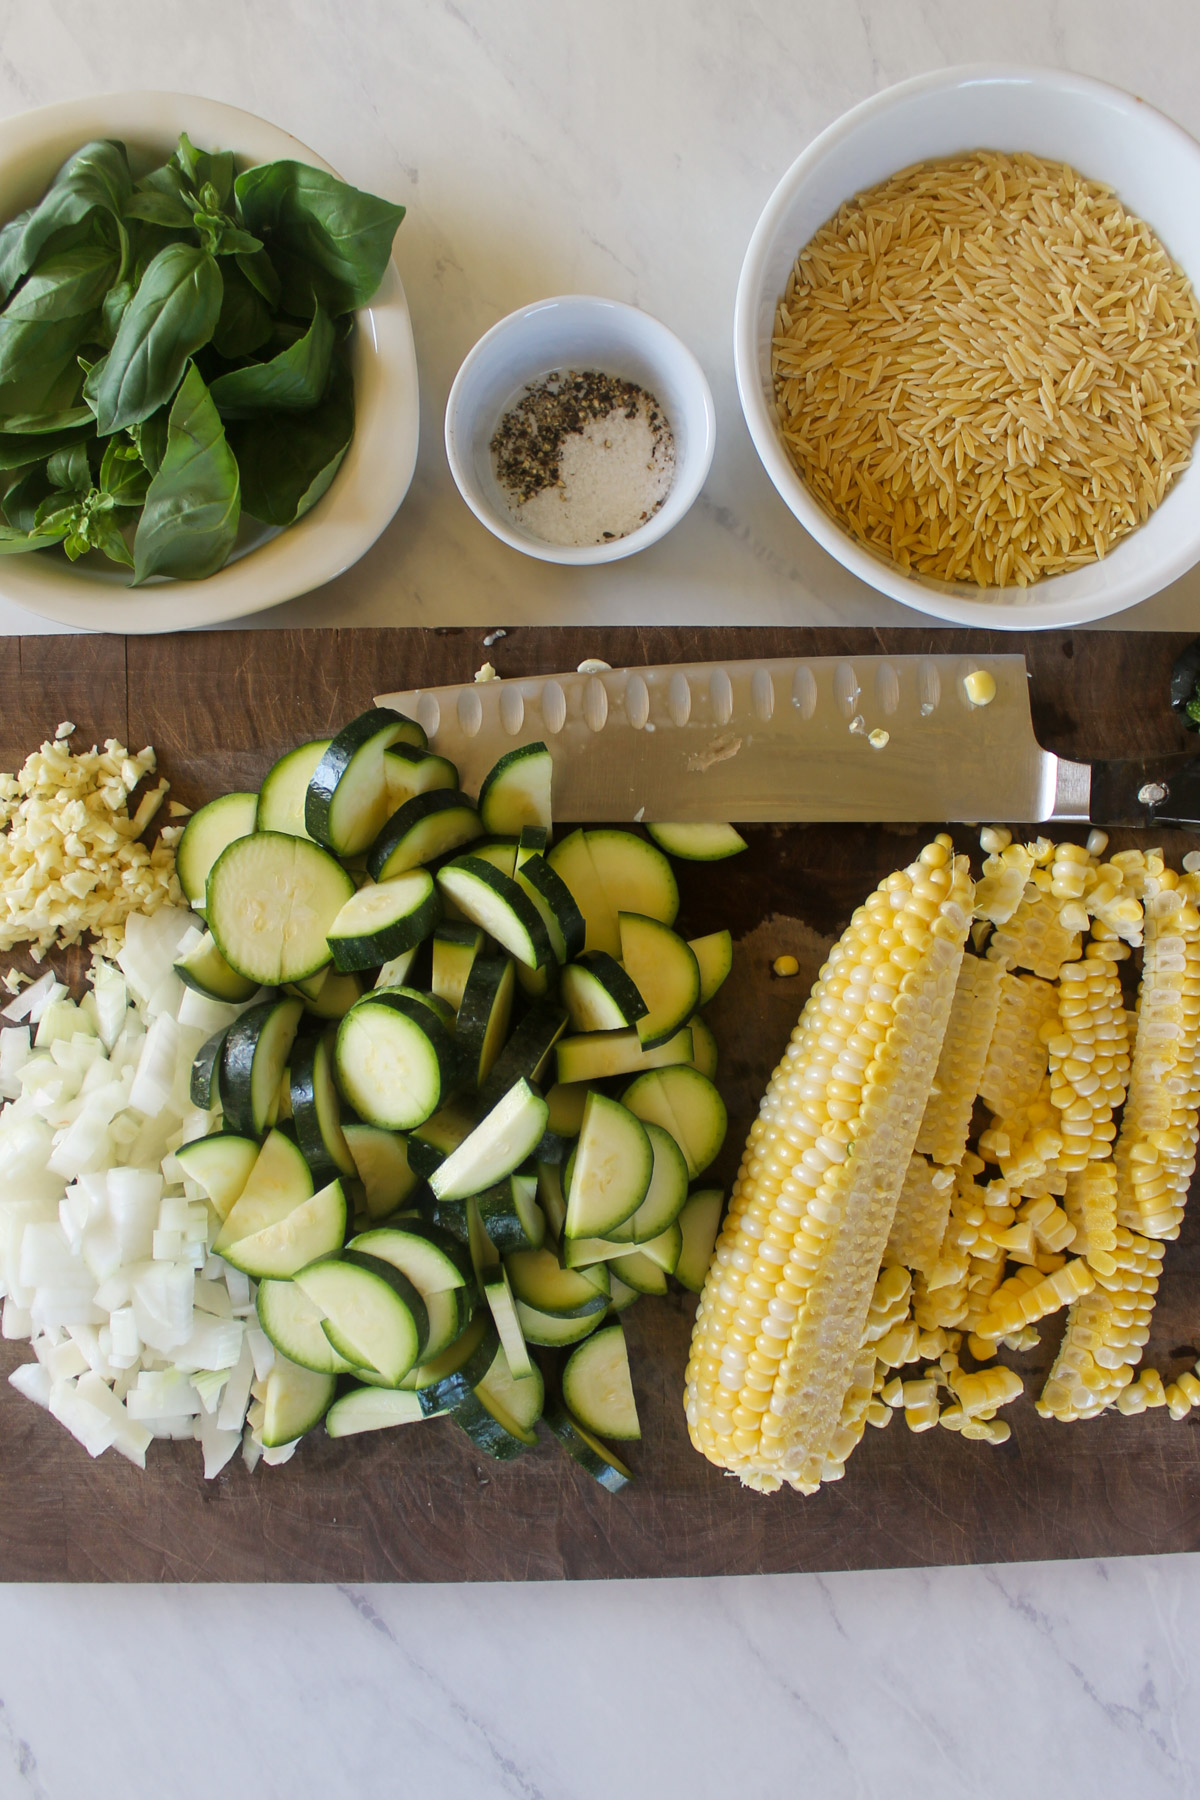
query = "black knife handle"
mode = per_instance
[{"x": 1154, "y": 790}]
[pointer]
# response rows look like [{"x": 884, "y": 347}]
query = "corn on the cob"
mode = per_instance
[
  {"x": 1106, "y": 1331},
  {"x": 1017, "y": 1057},
  {"x": 1090, "y": 1203},
  {"x": 1089, "y": 1058},
  {"x": 922, "y": 1214},
  {"x": 1155, "y": 1153},
  {"x": 947, "y": 1120},
  {"x": 780, "y": 1324},
  {"x": 1035, "y": 937}
]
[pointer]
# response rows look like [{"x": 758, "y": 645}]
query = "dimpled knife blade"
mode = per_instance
[{"x": 864, "y": 737}]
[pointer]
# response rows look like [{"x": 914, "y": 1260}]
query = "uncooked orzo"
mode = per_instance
[{"x": 987, "y": 370}]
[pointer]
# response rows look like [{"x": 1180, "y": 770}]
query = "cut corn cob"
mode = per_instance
[
  {"x": 1017, "y": 1058},
  {"x": 1106, "y": 1331},
  {"x": 1090, "y": 1203},
  {"x": 947, "y": 1120},
  {"x": 781, "y": 1320},
  {"x": 1001, "y": 888},
  {"x": 1089, "y": 1058},
  {"x": 1010, "y": 1310},
  {"x": 1035, "y": 937},
  {"x": 922, "y": 1215}
]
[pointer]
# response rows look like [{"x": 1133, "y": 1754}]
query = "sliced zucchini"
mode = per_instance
[
  {"x": 635, "y": 876},
  {"x": 589, "y": 1452},
  {"x": 483, "y": 1015},
  {"x": 435, "y": 1264},
  {"x": 424, "y": 828},
  {"x": 612, "y": 1167},
  {"x": 551, "y": 1198},
  {"x": 347, "y": 800},
  {"x": 538, "y": 983},
  {"x": 704, "y": 1047},
  {"x": 555, "y": 902},
  {"x": 282, "y": 796},
  {"x": 418, "y": 997},
  {"x": 500, "y": 905},
  {"x": 372, "y": 1409},
  {"x": 572, "y": 860},
  {"x": 221, "y": 1165},
  {"x": 699, "y": 1223},
  {"x": 533, "y": 841},
  {"x": 665, "y": 1249},
  {"x": 397, "y": 970},
  {"x": 638, "y": 1272},
  {"x": 698, "y": 843},
  {"x": 566, "y": 1101},
  {"x": 279, "y": 1181},
  {"x": 600, "y": 995},
  {"x": 430, "y": 1143},
  {"x": 444, "y": 1379},
  {"x": 373, "y": 1314},
  {"x": 317, "y": 1111},
  {"x": 500, "y": 852},
  {"x": 596, "y": 1385},
  {"x": 491, "y": 1428},
  {"x": 499, "y": 1297},
  {"x": 595, "y": 1055},
  {"x": 714, "y": 954},
  {"x": 526, "y": 1053},
  {"x": 334, "y": 993},
  {"x": 395, "y": 1060},
  {"x": 667, "y": 1193},
  {"x": 382, "y": 920},
  {"x": 665, "y": 972},
  {"x": 209, "y": 831},
  {"x": 296, "y": 1401},
  {"x": 272, "y": 900},
  {"x": 293, "y": 1323},
  {"x": 205, "y": 1082},
  {"x": 205, "y": 971},
  {"x": 455, "y": 948},
  {"x": 510, "y": 1214},
  {"x": 314, "y": 1228},
  {"x": 516, "y": 792},
  {"x": 583, "y": 1253},
  {"x": 686, "y": 1104},
  {"x": 255, "y": 1053},
  {"x": 538, "y": 1279},
  {"x": 623, "y": 1296},
  {"x": 500, "y": 1143},
  {"x": 410, "y": 770},
  {"x": 381, "y": 1162},
  {"x": 551, "y": 1330}
]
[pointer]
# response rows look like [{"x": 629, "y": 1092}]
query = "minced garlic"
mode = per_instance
[{"x": 70, "y": 859}]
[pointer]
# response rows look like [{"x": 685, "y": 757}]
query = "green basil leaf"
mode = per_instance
[
  {"x": 36, "y": 426},
  {"x": 63, "y": 286},
  {"x": 260, "y": 273},
  {"x": 54, "y": 388},
  {"x": 172, "y": 314},
  {"x": 95, "y": 176},
  {"x": 190, "y": 520},
  {"x": 32, "y": 347},
  {"x": 154, "y": 208},
  {"x": 231, "y": 240},
  {"x": 25, "y": 496},
  {"x": 69, "y": 470},
  {"x": 244, "y": 324},
  {"x": 288, "y": 460},
  {"x": 19, "y": 449},
  {"x": 113, "y": 311},
  {"x": 202, "y": 168},
  {"x": 151, "y": 439},
  {"x": 339, "y": 237},
  {"x": 293, "y": 381},
  {"x": 123, "y": 475},
  {"x": 104, "y": 533},
  {"x": 13, "y": 542}
]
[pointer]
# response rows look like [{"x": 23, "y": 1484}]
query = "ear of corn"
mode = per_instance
[
  {"x": 1017, "y": 1058},
  {"x": 921, "y": 1217},
  {"x": 1106, "y": 1331},
  {"x": 1035, "y": 938},
  {"x": 947, "y": 1121}
]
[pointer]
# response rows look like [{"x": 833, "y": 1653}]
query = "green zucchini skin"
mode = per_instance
[
  {"x": 204, "y": 1086},
  {"x": 525, "y": 1054},
  {"x": 316, "y": 1110},
  {"x": 334, "y": 763},
  {"x": 588, "y": 1451},
  {"x": 397, "y": 1280},
  {"x": 237, "y": 1063},
  {"x": 393, "y": 851},
  {"x": 483, "y": 1015},
  {"x": 417, "y": 910}
]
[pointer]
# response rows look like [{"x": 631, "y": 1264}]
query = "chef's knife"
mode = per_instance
[{"x": 862, "y": 737}]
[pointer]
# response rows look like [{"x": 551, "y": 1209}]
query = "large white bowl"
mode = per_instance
[
  {"x": 377, "y": 468},
  {"x": 1108, "y": 136}
]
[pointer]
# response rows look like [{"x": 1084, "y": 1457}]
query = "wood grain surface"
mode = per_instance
[{"x": 419, "y": 1504}]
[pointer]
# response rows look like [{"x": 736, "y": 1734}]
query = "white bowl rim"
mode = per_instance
[
  {"x": 922, "y": 597},
  {"x": 684, "y": 489},
  {"x": 376, "y": 472}
]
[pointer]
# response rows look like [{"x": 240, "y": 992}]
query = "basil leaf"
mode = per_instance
[
  {"x": 37, "y": 425},
  {"x": 260, "y": 273},
  {"x": 13, "y": 542},
  {"x": 190, "y": 519},
  {"x": 203, "y": 168},
  {"x": 156, "y": 208},
  {"x": 56, "y": 387},
  {"x": 29, "y": 347},
  {"x": 244, "y": 324},
  {"x": 340, "y": 237},
  {"x": 113, "y": 311},
  {"x": 288, "y": 460},
  {"x": 68, "y": 470},
  {"x": 105, "y": 534},
  {"x": 63, "y": 286},
  {"x": 123, "y": 474},
  {"x": 20, "y": 449},
  {"x": 151, "y": 439},
  {"x": 293, "y": 381},
  {"x": 25, "y": 496},
  {"x": 172, "y": 314},
  {"x": 95, "y": 176}
]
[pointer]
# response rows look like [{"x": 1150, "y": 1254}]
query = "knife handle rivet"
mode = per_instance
[
  {"x": 762, "y": 694},
  {"x": 720, "y": 696},
  {"x": 595, "y": 704},
  {"x": 637, "y": 701},
  {"x": 554, "y": 707},
  {"x": 679, "y": 698},
  {"x": 470, "y": 711}
]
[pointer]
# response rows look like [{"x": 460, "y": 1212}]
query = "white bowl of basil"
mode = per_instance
[{"x": 208, "y": 387}]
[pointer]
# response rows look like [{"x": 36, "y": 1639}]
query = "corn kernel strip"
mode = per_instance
[{"x": 947, "y": 1121}]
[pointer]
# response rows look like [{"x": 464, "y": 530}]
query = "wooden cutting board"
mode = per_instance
[{"x": 419, "y": 1504}]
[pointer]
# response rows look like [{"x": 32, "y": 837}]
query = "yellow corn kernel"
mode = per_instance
[
  {"x": 1017, "y": 1059},
  {"x": 1178, "y": 1404},
  {"x": 1001, "y": 887},
  {"x": 1034, "y": 938},
  {"x": 921, "y": 1216},
  {"x": 947, "y": 1120}
]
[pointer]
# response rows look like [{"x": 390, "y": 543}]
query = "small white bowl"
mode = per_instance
[
  {"x": 576, "y": 331},
  {"x": 1107, "y": 135},
  {"x": 267, "y": 566}
]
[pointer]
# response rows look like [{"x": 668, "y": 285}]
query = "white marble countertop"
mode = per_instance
[{"x": 626, "y": 149}]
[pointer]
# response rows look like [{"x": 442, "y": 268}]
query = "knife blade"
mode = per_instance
[{"x": 867, "y": 738}]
